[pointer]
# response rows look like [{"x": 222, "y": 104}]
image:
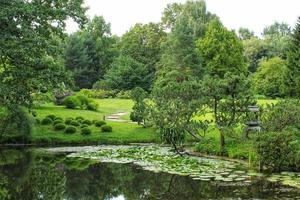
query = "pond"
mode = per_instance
[{"x": 27, "y": 174}]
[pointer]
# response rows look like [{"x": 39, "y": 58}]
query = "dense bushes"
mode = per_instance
[
  {"x": 59, "y": 126},
  {"x": 80, "y": 101},
  {"x": 70, "y": 129},
  {"x": 106, "y": 128},
  {"x": 46, "y": 121},
  {"x": 99, "y": 123},
  {"x": 86, "y": 131}
]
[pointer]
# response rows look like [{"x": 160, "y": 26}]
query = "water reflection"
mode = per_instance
[{"x": 27, "y": 175}]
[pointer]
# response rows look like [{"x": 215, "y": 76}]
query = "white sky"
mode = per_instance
[{"x": 252, "y": 14}]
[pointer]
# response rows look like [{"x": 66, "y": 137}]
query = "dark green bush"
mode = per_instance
[
  {"x": 58, "y": 118},
  {"x": 38, "y": 121},
  {"x": 279, "y": 150},
  {"x": 71, "y": 102},
  {"x": 87, "y": 122},
  {"x": 106, "y": 128},
  {"x": 68, "y": 121},
  {"x": 99, "y": 123},
  {"x": 84, "y": 126},
  {"x": 74, "y": 123},
  {"x": 86, "y": 131},
  {"x": 46, "y": 121},
  {"x": 58, "y": 121},
  {"x": 92, "y": 105},
  {"x": 70, "y": 129},
  {"x": 52, "y": 117},
  {"x": 59, "y": 126},
  {"x": 79, "y": 118}
]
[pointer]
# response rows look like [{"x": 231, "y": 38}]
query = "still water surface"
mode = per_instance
[{"x": 31, "y": 175}]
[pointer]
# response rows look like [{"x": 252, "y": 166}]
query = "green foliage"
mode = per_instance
[
  {"x": 279, "y": 150},
  {"x": 70, "y": 129},
  {"x": 52, "y": 117},
  {"x": 126, "y": 74},
  {"x": 68, "y": 121},
  {"x": 283, "y": 115},
  {"x": 57, "y": 121},
  {"x": 245, "y": 34},
  {"x": 90, "y": 52},
  {"x": 31, "y": 43},
  {"x": 270, "y": 78},
  {"x": 106, "y": 128},
  {"x": 87, "y": 122},
  {"x": 46, "y": 121},
  {"x": 124, "y": 94},
  {"x": 85, "y": 131},
  {"x": 71, "y": 102},
  {"x": 59, "y": 126},
  {"x": 92, "y": 105},
  {"x": 293, "y": 62},
  {"x": 139, "y": 110},
  {"x": 74, "y": 123},
  {"x": 84, "y": 126},
  {"x": 99, "y": 123},
  {"x": 79, "y": 118},
  {"x": 222, "y": 51}
]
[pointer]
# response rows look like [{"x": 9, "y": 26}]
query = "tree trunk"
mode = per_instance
[{"x": 222, "y": 143}]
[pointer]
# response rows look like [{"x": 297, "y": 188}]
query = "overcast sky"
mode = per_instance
[{"x": 253, "y": 14}]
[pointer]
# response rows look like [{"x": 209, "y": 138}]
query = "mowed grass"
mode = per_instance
[{"x": 123, "y": 133}]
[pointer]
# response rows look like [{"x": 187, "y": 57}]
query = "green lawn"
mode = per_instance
[{"x": 123, "y": 133}]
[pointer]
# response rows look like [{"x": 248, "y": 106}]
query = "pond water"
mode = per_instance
[{"x": 26, "y": 174}]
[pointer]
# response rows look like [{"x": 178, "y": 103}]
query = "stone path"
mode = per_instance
[{"x": 117, "y": 117}]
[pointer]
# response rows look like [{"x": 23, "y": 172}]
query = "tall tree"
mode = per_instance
[
  {"x": 143, "y": 43},
  {"x": 293, "y": 58},
  {"x": 90, "y": 52},
  {"x": 221, "y": 51},
  {"x": 245, "y": 33}
]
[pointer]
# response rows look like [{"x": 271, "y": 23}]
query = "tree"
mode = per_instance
[
  {"x": 143, "y": 43},
  {"x": 90, "y": 52},
  {"x": 170, "y": 14},
  {"x": 126, "y": 74},
  {"x": 245, "y": 33},
  {"x": 221, "y": 51},
  {"x": 293, "y": 62},
  {"x": 254, "y": 50},
  {"x": 139, "y": 109},
  {"x": 176, "y": 100},
  {"x": 270, "y": 78},
  {"x": 228, "y": 99}
]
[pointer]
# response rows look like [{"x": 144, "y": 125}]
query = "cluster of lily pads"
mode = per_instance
[{"x": 161, "y": 159}]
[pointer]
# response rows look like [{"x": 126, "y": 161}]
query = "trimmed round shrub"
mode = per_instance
[
  {"x": 70, "y": 129},
  {"x": 59, "y": 126},
  {"x": 38, "y": 121},
  {"x": 58, "y": 118},
  {"x": 74, "y": 123},
  {"x": 71, "y": 102},
  {"x": 79, "y": 118},
  {"x": 85, "y": 131},
  {"x": 46, "y": 121},
  {"x": 68, "y": 121},
  {"x": 106, "y": 128},
  {"x": 92, "y": 106},
  {"x": 57, "y": 121},
  {"x": 84, "y": 126},
  {"x": 52, "y": 117},
  {"x": 99, "y": 123},
  {"x": 87, "y": 122}
]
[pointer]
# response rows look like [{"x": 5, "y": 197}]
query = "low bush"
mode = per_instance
[
  {"x": 70, "y": 129},
  {"x": 58, "y": 121},
  {"x": 124, "y": 94},
  {"x": 74, "y": 123},
  {"x": 92, "y": 105},
  {"x": 59, "y": 127},
  {"x": 84, "y": 126},
  {"x": 106, "y": 128},
  {"x": 79, "y": 118},
  {"x": 68, "y": 121},
  {"x": 71, "y": 102},
  {"x": 87, "y": 122},
  {"x": 99, "y": 123},
  {"x": 52, "y": 117},
  {"x": 46, "y": 121},
  {"x": 58, "y": 118},
  {"x": 86, "y": 92},
  {"x": 85, "y": 131}
]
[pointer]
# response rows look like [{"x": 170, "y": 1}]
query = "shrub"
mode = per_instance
[
  {"x": 86, "y": 92},
  {"x": 46, "y": 121},
  {"x": 71, "y": 102},
  {"x": 57, "y": 121},
  {"x": 70, "y": 129},
  {"x": 92, "y": 105},
  {"x": 74, "y": 123},
  {"x": 52, "y": 117},
  {"x": 58, "y": 118},
  {"x": 106, "y": 128},
  {"x": 124, "y": 94},
  {"x": 84, "y": 101},
  {"x": 79, "y": 118},
  {"x": 87, "y": 122},
  {"x": 279, "y": 150},
  {"x": 68, "y": 121},
  {"x": 99, "y": 123},
  {"x": 86, "y": 131},
  {"x": 84, "y": 126},
  {"x": 59, "y": 127},
  {"x": 38, "y": 121}
]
